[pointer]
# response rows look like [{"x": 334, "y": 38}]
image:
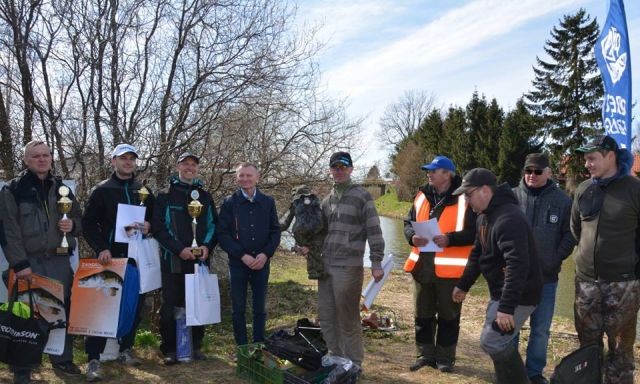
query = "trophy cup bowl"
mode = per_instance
[
  {"x": 143, "y": 193},
  {"x": 64, "y": 207},
  {"x": 195, "y": 209}
]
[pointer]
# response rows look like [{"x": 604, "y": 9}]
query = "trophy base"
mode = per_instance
[
  {"x": 196, "y": 252},
  {"x": 62, "y": 251}
]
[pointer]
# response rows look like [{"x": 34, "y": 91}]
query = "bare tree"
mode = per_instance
[{"x": 403, "y": 117}]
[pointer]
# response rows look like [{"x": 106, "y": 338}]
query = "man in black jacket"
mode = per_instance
[
  {"x": 249, "y": 232},
  {"x": 31, "y": 229},
  {"x": 548, "y": 211},
  {"x": 173, "y": 230},
  {"x": 98, "y": 223},
  {"x": 504, "y": 252}
]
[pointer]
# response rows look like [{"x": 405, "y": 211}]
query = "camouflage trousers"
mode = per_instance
[
  {"x": 315, "y": 267},
  {"x": 610, "y": 308}
]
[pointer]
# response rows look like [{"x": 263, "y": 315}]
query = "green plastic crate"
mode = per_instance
[{"x": 251, "y": 367}]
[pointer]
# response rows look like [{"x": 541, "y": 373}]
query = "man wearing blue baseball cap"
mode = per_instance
[{"x": 437, "y": 317}]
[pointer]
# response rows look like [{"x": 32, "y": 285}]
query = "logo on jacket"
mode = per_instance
[{"x": 553, "y": 219}]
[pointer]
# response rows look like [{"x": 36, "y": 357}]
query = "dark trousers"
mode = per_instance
[
  {"x": 173, "y": 296},
  {"x": 94, "y": 345},
  {"x": 241, "y": 277}
]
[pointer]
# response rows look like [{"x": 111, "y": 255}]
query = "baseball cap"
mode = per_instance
[
  {"x": 183, "y": 156},
  {"x": 121, "y": 149},
  {"x": 536, "y": 160},
  {"x": 476, "y": 177},
  {"x": 343, "y": 158},
  {"x": 440, "y": 162},
  {"x": 605, "y": 142}
]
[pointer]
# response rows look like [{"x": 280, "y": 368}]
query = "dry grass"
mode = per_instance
[{"x": 292, "y": 296}]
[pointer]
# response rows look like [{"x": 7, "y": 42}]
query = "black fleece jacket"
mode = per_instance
[{"x": 505, "y": 253}]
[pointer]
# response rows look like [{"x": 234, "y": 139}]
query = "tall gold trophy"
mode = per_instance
[
  {"x": 64, "y": 207},
  {"x": 195, "y": 209}
]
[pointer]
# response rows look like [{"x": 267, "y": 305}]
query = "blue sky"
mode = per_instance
[{"x": 377, "y": 49}]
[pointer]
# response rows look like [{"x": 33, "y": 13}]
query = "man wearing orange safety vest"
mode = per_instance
[{"x": 437, "y": 317}]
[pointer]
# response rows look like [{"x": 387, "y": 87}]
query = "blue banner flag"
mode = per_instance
[{"x": 614, "y": 61}]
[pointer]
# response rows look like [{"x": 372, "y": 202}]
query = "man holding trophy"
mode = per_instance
[
  {"x": 38, "y": 211},
  {"x": 184, "y": 223},
  {"x": 99, "y": 225}
]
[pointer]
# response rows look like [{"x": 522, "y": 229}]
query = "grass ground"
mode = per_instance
[
  {"x": 292, "y": 296},
  {"x": 388, "y": 205}
]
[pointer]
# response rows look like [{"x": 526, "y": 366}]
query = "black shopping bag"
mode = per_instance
[
  {"x": 22, "y": 340},
  {"x": 582, "y": 366}
]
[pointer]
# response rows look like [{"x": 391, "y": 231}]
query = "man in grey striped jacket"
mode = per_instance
[{"x": 351, "y": 221}]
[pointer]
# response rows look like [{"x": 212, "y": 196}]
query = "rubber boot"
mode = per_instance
[{"x": 509, "y": 366}]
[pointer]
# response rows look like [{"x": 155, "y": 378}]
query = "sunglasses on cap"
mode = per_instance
[{"x": 536, "y": 171}]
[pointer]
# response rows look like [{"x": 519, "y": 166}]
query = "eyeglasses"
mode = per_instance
[
  {"x": 338, "y": 167},
  {"x": 536, "y": 171},
  {"x": 470, "y": 192}
]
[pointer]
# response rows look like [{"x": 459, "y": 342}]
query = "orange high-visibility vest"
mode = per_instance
[{"x": 451, "y": 261}]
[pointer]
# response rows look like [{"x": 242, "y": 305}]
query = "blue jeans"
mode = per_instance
[
  {"x": 540, "y": 322},
  {"x": 240, "y": 277}
]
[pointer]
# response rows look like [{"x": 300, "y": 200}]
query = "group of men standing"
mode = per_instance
[
  {"x": 247, "y": 229},
  {"x": 517, "y": 238}
]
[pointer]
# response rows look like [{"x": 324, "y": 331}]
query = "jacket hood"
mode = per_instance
[{"x": 503, "y": 195}]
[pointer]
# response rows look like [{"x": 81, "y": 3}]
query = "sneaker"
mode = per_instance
[
  {"x": 422, "y": 362},
  {"x": 67, "y": 367},
  {"x": 94, "y": 373},
  {"x": 128, "y": 358},
  {"x": 199, "y": 355},
  {"x": 170, "y": 359}
]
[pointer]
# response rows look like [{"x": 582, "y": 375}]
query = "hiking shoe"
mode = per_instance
[
  {"x": 67, "y": 367},
  {"x": 170, "y": 359},
  {"x": 128, "y": 358},
  {"x": 445, "y": 367},
  {"x": 539, "y": 379},
  {"x": 422, "y": 362},
  {"x": 199, "y": 355},
  {"x": 94, "y": 373}
]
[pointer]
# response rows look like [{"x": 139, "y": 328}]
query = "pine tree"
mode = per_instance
[
  {"x": 568, "y": 90},
  {"x": 456, "y": 143},
  {"x": 517, "y": 140},
  {"x": 429, "y": 135}
]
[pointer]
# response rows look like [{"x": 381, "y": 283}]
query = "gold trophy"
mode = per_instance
[
  {"x": 64, "y": 207},
  {"x": 143, "y": 193},
  {"x": 195, "y": 209}
]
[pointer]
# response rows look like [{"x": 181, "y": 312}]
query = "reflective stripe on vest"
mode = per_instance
[{"x": 451, "y": 261}]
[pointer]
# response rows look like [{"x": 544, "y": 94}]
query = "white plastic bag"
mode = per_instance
[
  {"x": 202, "y": 297},
  {"x": 146, "y": 253}
]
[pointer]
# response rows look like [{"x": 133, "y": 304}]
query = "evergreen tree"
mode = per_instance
[
  {"x": 429, "y": 135},
  {"x": 517, "y": 140},
  {"x": 456, "y": 143},
  {"x": 568, "y": 90}
]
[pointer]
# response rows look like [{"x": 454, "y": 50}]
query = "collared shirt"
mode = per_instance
[{"x": 250, "y": 198}]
